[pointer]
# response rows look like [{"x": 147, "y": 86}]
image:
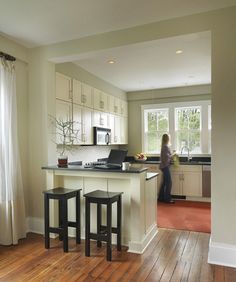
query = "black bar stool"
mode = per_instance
[
  {"x": 103, "y": 232},
  {"x": 62, "y": 195}
]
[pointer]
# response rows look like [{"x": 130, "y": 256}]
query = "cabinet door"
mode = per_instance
[
  {"x": 176, "y": 183},
  {"x": 116, "y": 105},
  {"x": 111, "y": 101},
  {"x": 123, "y": 130},
  {"x": 87, "y": 132},
  {"x": 77, "y": 126},
  {"x": 117, "y": 137},
  {"x": 63, "y": 87},
  {"x": 96, "y": 99},
  {"x": 100, "y": 119},
  {"x": 123, "y": 108},
  {"x": 63, "y": 113},
  {"x": 104, "y": 102},
  {"x": 87, "y": 95},
  {"x": 77, "y": 91},
  {"x": 192, "y": 184},
  {"x": 111, "y": 125}
]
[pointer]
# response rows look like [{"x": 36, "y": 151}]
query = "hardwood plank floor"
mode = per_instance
[{"x": 173, "y": 255}]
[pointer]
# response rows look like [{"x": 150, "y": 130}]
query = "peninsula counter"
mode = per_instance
[{"x": 139, "y": 200}]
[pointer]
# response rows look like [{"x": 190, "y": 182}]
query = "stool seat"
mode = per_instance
[
  {"x": 104, "y": 232},
  {"x": 99, "y": 196},
  {"x": 62, "y": 195}
]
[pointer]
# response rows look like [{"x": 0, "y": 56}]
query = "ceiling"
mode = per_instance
[
  {"x": 33, "y": 22},
  {"x": 154, "y": 64},
  {"x": 149, "y": 65}
]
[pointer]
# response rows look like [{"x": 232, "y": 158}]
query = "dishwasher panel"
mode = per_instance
[{"x": 206, "y": 181}]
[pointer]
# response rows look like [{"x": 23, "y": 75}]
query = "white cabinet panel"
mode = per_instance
[
  {"x": 123, "y": 108},
  {"x": 111, "y": 125},
  {"x": 83, "y": 121},
  {"x": 192, "y": 184},
  {"x": 87, "y": 95},
  {"x": 187, "y": 180},
  {"x": 77, "y": 92},
  {"x": 63, "y": 113},
  {"x": 124, "y": 130},
  {"x": 100, "y": 119},
  {"x": 117, "y": 137},
  {"x": 63, "y": 87},
  {"x": 114, "y": 105},
  {"x": 100, "y": 100},
  {"x": 87, "y": 126}
]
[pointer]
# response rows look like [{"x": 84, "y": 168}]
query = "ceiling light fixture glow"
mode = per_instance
[
  {"x": 111, "y": 62},
  {"x": 179, "y": 51}
]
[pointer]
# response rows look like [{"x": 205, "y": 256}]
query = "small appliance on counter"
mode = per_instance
[{"x": 102, "y": 136}]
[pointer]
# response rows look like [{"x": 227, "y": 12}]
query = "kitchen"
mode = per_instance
[{"x": 48, "y": 60}]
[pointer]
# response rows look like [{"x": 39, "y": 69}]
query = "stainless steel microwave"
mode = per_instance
[{"x": 102, "y": 136}]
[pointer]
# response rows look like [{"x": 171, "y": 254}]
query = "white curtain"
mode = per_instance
[{"x": 12, "y": 208}]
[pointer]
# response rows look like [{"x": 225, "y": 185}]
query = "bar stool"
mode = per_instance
[
  {"x": 62, "y": 195},
  {"x": 103, "y": 232}
]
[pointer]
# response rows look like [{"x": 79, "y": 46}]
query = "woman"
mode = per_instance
[{"x": 165, "y": 191}]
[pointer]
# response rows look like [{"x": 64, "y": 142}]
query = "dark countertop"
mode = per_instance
[
  {"x": 183, "y": 160},
  {"x": 92, "y": 169},
  {"x": 151, "y": 175}
]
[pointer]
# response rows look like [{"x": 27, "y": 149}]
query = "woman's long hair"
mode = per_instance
[{"x": 165, "y": 139}]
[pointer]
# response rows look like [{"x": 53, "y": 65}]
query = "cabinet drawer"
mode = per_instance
[{"x": 194, "y": 168}]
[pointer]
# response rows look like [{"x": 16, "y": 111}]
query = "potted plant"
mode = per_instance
[{"x": 66, "y": 136}]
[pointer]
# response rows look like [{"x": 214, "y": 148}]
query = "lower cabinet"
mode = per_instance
[{"x": 187, "y": 180}]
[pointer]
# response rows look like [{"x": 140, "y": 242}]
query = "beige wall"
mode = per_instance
[{"x": 157, "y": 96}]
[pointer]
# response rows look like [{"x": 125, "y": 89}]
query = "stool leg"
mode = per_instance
[
  {"x": 46, "y": 221},
  {"x": 119, "y": 215},
  {"x": 65, "y": 224},
  {"x": 78, "y": 232},
  {"x": 99, "y": 222},
  {"x": 109, "y": 231},
  {"x": 60, "y": 218},
  {"x": 87, "y": 228}
]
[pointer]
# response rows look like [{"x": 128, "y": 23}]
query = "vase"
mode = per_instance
[{"x": 62, "y": 161}]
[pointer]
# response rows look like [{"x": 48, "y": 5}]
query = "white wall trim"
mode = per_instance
[
  {"x": 35, "y": 225},
  {"x": 139, "y": 247},
  {"x": 222, "y": 254}
]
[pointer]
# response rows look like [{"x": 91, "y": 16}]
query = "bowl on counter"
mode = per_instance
[{"x": 139, "y": 159}]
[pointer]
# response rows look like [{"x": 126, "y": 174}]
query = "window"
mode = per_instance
[
  {"x": 188, "y": 129},
  {"x": 156, "y": 124},
  {"x": 188, "y": 123}
]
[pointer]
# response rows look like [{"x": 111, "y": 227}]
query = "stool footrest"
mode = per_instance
[
  {"x": 72, "y": 224},
  {"x": 99, "y": 237},
  {"x": 56, "y": 230},
  {"x": 113, "y": 229}
]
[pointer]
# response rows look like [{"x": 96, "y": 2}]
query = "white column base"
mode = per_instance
[
  {"x": 222, "y": 254},
  {"x": 140, "y": 247}
]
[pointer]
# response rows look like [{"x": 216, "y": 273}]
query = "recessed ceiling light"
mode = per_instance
[
  {"x": 111, "y": 62},
  {"x": 179, "y": 51}
]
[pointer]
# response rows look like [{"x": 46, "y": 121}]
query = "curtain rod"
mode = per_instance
[{"x": 7, "y": 57}]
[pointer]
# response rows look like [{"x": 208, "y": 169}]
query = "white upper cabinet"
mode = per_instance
[
  {"x": 114, "y": 105},
  {"x": 100, "y": 119},
  {"x": 100, "y": 100},
  {"x": 63, "y": 87},
  {"x": 123, "y": 130},
  {"x": 82, "y": 118},
  {"x": 123, "y": 108},
  {"x": 87, "y": 95},
  {"x": 63, "y": 113},
  {"x": 77, "y": 92}
]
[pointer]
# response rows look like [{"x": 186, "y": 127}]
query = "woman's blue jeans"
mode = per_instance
[{"x": 165, "y": 191}]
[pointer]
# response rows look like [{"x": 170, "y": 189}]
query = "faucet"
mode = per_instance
[{"x": 185, "y": 147}]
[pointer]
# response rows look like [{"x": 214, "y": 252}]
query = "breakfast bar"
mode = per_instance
[{"x": 139, "y": 209}]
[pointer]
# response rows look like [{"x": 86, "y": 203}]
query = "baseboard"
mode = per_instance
[
  {"x": 35, "y": 225},
  {"x": 140, "y": 247},
  {"x": 222, "y": 254}
]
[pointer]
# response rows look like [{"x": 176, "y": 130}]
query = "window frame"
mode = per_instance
[{"x": 204, "y": 104}]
